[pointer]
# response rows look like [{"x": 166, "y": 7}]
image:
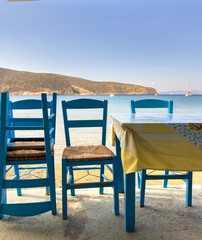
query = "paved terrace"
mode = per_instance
[{"x": 165, "y": 216}]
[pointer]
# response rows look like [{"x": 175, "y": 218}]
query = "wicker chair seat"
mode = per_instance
[
  {"x": 26, "y": 145},
  {"x": 27, "y": 151},
  {"x": 87, "y": 153}
]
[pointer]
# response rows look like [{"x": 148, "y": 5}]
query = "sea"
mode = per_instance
[{"x": 116, "y": 104}]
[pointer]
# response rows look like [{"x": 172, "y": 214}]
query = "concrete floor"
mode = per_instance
[{"x": 164, "y": 216}]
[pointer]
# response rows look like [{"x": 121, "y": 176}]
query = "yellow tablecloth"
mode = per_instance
[{"x": 157, "y": 146}]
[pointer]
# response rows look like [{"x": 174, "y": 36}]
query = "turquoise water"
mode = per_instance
[
  {"x": 116, "y": 104},
  {"x": 182, "y": 104},
  {"x": 121, "y": 103}
]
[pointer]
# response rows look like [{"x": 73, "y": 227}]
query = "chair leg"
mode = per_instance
[
  {"x": 47, "y": 188},
  {"x": 101, "y": 177},
  {"x": 72, "y": 180},
  {"x": 120, "y": 167},
  {"x": 189, "y": 190},
  {"x": 165, "y": 181},
  {"x": 2, "y": 190},
  {"x": 142, "y": 188},
  {"x": 51, "y": 174},
  {"x": 17, "y": 175},
  {"x": 116, "y": 188},
  {"x": 4, "y": 200},
  {"x": 2, "y": 177},
  {"x": 64, "y": 190},
  {"x": 138, "y": 179}
]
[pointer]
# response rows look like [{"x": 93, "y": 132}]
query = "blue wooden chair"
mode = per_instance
[
  {"x": 26, "y": 156},
  {"x": 18, "y": 143},
  {"x": 84, "y": 156},
  {"x": 143, "y": 176}
]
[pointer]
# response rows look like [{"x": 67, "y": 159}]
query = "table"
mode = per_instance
[{"x": 170, "y": 142}]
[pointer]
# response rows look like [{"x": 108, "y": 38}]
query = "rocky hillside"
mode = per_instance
[{"x": 19, "y": 82}]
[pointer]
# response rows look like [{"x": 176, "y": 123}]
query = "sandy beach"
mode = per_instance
[{"x": 93, "y": 175}]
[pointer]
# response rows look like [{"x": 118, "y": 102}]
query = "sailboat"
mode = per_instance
[
  {"x": 188, "y": 94},
  {"x": 112, "y": 93}
]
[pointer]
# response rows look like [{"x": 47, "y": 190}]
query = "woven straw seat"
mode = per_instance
[
  {"x": 40, "y": 145},
  {"x": 87, "y": 153},
  {"x": 27, "y": 151}
]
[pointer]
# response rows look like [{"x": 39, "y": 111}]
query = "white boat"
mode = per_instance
[{"x": 188, "y": 94}]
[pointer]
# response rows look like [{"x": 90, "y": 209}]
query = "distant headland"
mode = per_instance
[{"x": 29, "y": 83}]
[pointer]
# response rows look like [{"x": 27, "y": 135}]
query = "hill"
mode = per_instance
[{"x": 19, "y": 82}]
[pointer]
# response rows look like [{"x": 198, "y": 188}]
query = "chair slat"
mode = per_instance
[
  {"x": 85, "y": 123},
  {"x": 26, "y": 183},
  {"x": 51, "y": 116},
  {"x": 25, "y": 128},
  {"x": 27, "y": 139},
  {"x": 25, "y": 209},
  {"x": 162, "y": 177},
  {"x": 152, "y": 103},
  {"x": 26, "y": 121},
  {"x": 51, "y": 131},
  {"x": 84, "y": 104},
  {"x": 28, "y": 104},
  {"x": 26, "y": 162},
  {"x": 83, "y": 163},
  {"x": 90, "y": 185}
]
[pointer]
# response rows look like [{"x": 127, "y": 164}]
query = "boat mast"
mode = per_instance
[
  {"x": 188, "y": 84},
  {"x": 188, "y": 87}
]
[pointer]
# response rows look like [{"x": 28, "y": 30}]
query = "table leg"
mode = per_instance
[
  {"x": 119, "y": 167},
  {"x": 129, "y": 216}
]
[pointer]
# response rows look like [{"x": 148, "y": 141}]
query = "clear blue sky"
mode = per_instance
[{"x": 147, "y": 42}]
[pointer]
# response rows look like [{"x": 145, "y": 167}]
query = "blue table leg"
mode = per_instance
[
  {"x": 129, "y": 216},
  {"x": 119, "y": 167}
]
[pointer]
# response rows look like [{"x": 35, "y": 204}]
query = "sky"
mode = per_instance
[{"x": 156, "y": 43}]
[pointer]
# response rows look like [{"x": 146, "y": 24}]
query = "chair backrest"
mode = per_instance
[
  {"x": 9, "y": 123},
  {"x": 152, "y": 103},
  {"x": 33, "y": 104},
  {"x": 84, "y": 104}
]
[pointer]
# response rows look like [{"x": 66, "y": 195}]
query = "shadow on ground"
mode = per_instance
[{"x": 90, "y": 216}]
